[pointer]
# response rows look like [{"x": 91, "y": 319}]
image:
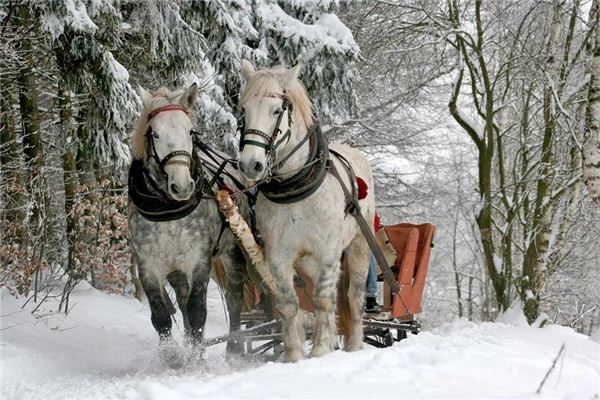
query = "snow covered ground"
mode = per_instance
[{"x": 105, "y": 349}]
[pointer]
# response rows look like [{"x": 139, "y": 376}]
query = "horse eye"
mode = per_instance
[
  {"x": 278, "y": 111},
  {"x": 155, "y": 135}
]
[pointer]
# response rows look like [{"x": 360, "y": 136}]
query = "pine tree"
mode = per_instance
[{"x": 271, "y": 33}]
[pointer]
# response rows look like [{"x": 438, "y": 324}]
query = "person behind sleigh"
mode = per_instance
[{"x": 371, "y": 305}]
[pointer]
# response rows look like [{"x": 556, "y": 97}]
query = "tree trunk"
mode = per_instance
[
  {"x": 32, "y": 141},
  {"x": 535, "y": 262},
  {"x": 14, "y": 207},
  {"x": 69, "y": 175},
  {"x": 455, "y": 267},
  {"x": 591, "y": 149}
]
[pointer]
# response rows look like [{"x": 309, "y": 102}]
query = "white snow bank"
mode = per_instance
[
  {"x": 596, "y": 336},
  {"x": 105, "y": 349},
  {"x": 513, "y": 316}
]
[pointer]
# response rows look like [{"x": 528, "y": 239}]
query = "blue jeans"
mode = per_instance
[{"x": 372, "y": 277}]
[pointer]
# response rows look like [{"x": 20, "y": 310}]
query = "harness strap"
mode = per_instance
[
  {"x": 256, "y": 143},
  {"x": 218, "y": 173},
  {"x": 210, "y": 153},
  {"x": 172, "y": 154},
  {"x": 353, "y": 208},
  {"x": 306, "y": 181},
  {"x": 168, "y": 107},
  {"x": 294, "y": 150},
  {"x": 272, "y": 143}
]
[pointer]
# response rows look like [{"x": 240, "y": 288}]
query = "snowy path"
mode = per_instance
[{"x": 105, "y": 349}]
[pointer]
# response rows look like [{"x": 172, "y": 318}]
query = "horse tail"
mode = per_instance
[
  {"x": 249, "y": 299},
  {"x": 344, "y": 317},
  {"x": 220, "y": 276}
]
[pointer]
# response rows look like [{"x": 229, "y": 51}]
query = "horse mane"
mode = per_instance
[
  {"x": 269, "y": 81},
  {"x": 161, "y": 97}
]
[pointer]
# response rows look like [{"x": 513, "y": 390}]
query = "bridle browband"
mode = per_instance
[{"x": 152, "y": 147}]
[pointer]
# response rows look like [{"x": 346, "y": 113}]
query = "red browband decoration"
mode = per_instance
[{"x": 170, "y": 107}]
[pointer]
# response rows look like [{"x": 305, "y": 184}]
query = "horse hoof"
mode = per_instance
[
  {"x": 293, "y": 356},
  {"x": 171, "y": 355},
  {"x": 197, "y": 357},
  {"x": 353, "y": 346},
  {"x": 234, "y": 347},
  {"x": 319, "y": 351}
]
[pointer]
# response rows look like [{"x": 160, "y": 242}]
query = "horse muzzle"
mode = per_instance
[
  {"x": 252, "y": 169},
  {"x": 181, "y": 194},
  {"x": 180, "y": 185}
]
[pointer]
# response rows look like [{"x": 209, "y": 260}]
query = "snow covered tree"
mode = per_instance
[
  {"x": 513, "y": 73},
  {"x": 591, "y": 150},
  {"x": 282, "y": 32},
  {"x": 71, "y": 66}
]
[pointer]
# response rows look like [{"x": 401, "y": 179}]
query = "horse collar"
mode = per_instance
[
  {"x": 308, "y": 179},
  {"x": 152, "y": 203}
]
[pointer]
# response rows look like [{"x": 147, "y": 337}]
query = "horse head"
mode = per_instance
[
  {"x": 277, "y": 112},
  {"x": 164, "y": 140}
]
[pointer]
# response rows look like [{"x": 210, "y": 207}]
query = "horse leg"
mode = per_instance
[
  {"x": 286, "y": 302},
  {"x": 358, "y": 266},
  {"x": 197, "y": 302},
  {"x": 179, "y": 283},
  {"x": 234, "y": 262},
  {"x": 324, "y": 301},
  {"x": 161, "y": 318}
]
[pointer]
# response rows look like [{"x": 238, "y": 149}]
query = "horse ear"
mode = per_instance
[
  {"x": 188, "y": 99},
  {"x": 247, "y": 70},
  {"x": 146, "y": 96},
  {"x": 292, "y": 73}
]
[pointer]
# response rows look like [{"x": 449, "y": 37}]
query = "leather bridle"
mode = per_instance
[
  {"x": 272, "y": 144},
  {"x": 152, "y": 147}
]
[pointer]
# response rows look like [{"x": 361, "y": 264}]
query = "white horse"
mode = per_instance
[{"x": 311, "y": 230}]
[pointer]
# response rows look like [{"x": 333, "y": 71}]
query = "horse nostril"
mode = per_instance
[
  {"x": 174, "y": 188},
  {"x": 258, "y": 167}
]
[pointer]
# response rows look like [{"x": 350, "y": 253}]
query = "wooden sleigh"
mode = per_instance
[{"x": 412, "y": 244}]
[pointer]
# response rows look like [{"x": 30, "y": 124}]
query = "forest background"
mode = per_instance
[{"x": 478, "y": 116}]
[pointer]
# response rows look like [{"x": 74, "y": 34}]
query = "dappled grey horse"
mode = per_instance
[{"x": 175, "y": 227}]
